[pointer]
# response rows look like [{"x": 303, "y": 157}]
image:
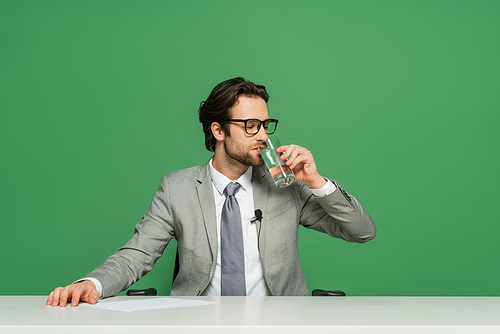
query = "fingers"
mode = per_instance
[
  {"x": 83, "y": 291},
  {"x": 295, "y": 155},
  {"x": 301, "y": 161},
  {"x": 63, "y": 296},
  {"x": 55, "y": 297},
  {"x": 75, "y": 299},
  {"x": 50, "y": 298},
  {"x": 90, "y": 296},
  {"x": 297, "y": 158}
]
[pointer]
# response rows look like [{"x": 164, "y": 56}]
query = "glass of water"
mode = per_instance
[{"x": 281, "y": 173}]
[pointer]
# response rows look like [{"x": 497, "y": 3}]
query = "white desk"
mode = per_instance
[{"x": 471, "y": 315}]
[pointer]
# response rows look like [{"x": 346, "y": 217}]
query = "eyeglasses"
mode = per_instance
[{"x": 252, "y": 125}]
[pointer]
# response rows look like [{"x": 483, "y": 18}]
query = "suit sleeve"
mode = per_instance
[
  {"x": 337, "y": 214},
  {"x": 138, "y": 256}
]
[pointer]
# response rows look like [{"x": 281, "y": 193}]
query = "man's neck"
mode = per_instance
[{"x": 231, "y": 169}]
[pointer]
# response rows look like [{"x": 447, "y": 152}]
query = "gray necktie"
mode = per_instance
[{"x": 232, "y": 254}]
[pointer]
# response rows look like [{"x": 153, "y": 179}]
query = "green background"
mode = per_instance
[{"x": 397, "y": 100}]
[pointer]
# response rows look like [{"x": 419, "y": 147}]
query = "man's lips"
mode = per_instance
[{"x": 258, "y": 148}]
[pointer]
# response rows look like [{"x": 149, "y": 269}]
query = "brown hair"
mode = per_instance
[{"x": 222, "y": 98}]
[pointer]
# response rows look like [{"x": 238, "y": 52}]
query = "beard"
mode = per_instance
[{"x": 242, "y": 155}]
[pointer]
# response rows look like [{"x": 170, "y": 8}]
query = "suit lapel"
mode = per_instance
[
  {"x": 206, "y": 198},
  {"x": 260, "y": 200}
]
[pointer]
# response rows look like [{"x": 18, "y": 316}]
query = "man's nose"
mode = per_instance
[{"x": 261, "y": 135}]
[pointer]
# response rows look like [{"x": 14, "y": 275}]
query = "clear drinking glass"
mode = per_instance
[{"x": 281, "y": 173}]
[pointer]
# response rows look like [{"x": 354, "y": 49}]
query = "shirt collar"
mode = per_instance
[{"x": 220, "y": 181}]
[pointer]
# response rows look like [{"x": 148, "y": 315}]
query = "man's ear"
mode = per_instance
[{"x": 217, "y": 131}]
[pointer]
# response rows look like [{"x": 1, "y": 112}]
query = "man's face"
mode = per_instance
[{"x": 241, "y": 146}]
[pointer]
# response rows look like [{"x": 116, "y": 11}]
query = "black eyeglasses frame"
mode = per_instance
[{"x": 270, "y": 120}]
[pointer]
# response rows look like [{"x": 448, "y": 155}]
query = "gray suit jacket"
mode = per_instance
[{"x": 184, "y": 208}]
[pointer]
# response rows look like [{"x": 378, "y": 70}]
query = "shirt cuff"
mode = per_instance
[
  {"x": 326, "y": 190},
  {"x": 98, "y": 285}
]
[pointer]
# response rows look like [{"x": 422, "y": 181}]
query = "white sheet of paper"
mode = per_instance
[{"x": 147, "y": 304}]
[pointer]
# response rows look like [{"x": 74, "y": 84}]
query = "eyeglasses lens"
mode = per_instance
[{"x": 253, "y": 126}]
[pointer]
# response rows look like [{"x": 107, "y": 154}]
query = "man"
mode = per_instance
[{"x": 193, "y": 205}]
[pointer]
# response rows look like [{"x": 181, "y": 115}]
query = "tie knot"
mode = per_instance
[{"x": 231, "y": 189}]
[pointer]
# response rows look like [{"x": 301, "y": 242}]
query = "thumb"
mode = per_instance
[{"x": 91, "y": 297}]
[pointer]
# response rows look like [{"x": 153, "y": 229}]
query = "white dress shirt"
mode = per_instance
[{"x": 255, "y": 283}]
